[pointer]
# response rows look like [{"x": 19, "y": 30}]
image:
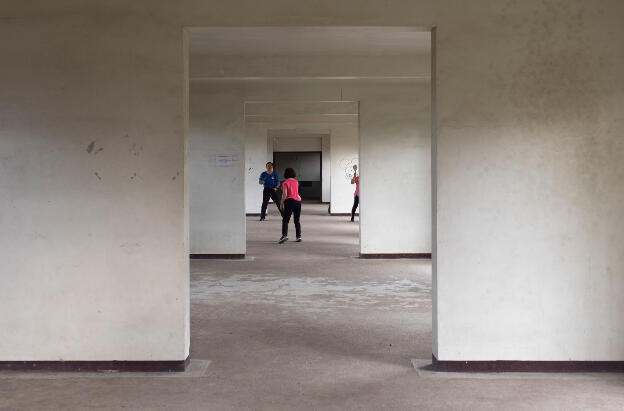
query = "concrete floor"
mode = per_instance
[{"x": 307, "y": 327}]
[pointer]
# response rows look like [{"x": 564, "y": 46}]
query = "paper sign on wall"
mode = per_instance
[{"x": 224, "y": 161}]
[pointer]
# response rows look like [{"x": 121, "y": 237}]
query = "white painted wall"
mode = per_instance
[
  {"x": 530, "y": 263},
  {"x": 257, "y": 154},
  {"x": 326, "y": 168},
  {"x": 309, "y": 65},
  {"x": 93, "y": 251},
  {"x": 216, "y": 195},
  {"x": 529, "y": 155},
  {"x": 344, "y": 153},
  {"x": 296, "y": 143},
  {"x": 395, "y": 169}
]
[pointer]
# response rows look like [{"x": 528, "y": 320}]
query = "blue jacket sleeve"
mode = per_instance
[{"x": 261, "y": 178}]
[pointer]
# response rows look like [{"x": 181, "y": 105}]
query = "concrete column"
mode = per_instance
[{"x": 217, "y": 197}]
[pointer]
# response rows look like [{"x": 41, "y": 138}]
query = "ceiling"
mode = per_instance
[{"x": 308, "y": 40}]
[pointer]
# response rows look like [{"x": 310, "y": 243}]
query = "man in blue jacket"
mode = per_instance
[{"x": 271, "y": 182}]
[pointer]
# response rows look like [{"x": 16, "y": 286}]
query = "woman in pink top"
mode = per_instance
[{"x": 291, "y": 204}]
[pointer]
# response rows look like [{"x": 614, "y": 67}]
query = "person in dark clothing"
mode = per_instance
[
  {"x": 290, "y": 204},
  {"x": 271, "y": 182}
]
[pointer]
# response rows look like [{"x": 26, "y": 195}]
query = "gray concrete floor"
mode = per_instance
[{"x": 307, "y": 327}]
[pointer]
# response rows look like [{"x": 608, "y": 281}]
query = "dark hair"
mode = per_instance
[
  {"x": 268, "y": 162},
  {"x": 290, "y": 173}
]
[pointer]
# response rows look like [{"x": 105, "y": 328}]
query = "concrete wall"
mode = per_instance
[
  {"x": 326, "y": 168},
  {"x": 309, "y": 65},
  {"x": 93, "y": 250},
  {"x": 395, "y": 169},
  {"x": 530, "y": 95},
  {"x": 530, "y": 264},
  {"x": 344, "y": 153},
  {"x": 216, "y": 196},
  {"x": 294, "y": 143},
  {"x": 256, "y": 156}
]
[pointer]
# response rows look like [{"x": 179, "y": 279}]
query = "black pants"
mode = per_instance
[
  {"x": 291, "y": 207},
  {"x": 356, "y": 203},
  {"x": 267, "y": 194}
]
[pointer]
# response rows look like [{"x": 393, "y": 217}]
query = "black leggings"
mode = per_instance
[
  {"x": 356, "y": 203},
  {"x": 291, "y": 206}
]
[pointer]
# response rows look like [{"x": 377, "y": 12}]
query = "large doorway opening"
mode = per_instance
[{"x": 335, "y": 104}]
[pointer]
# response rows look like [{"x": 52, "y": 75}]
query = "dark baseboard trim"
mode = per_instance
[
  {"x": 96, "y": 366},
  {"x": 217, "y": 256},
  {"x": 342, "y": 214},
  {"x": 252, "y": 214},
  {"x": 420, "y": 256},
  {"x": 527, "y": 366}
]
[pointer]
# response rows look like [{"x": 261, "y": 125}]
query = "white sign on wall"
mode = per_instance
[{"x": 224, "y": 161}]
